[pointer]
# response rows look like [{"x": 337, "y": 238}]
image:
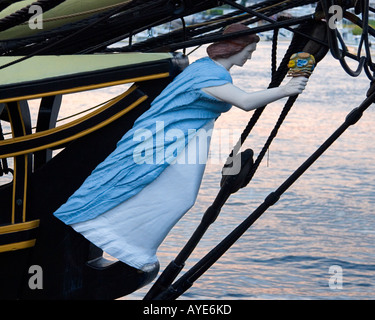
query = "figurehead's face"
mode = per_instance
[{"x": 240, "y": 58}]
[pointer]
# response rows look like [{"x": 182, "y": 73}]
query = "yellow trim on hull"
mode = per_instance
[
  {"x": 17, "y": 246},
  {"x": 19, "y": 227},
  {"x": 86, "y": 88}
]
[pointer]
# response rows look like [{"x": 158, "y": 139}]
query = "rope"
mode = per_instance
[
  {"x": 275, "y": 39},
  {"x": 174, "y": 40},
  {"x": 334, "y": 39}
]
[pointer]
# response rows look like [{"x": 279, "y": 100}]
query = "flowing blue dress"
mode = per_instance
[{"x": 142, "y": 157}]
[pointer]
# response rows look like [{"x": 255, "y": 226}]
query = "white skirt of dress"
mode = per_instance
[{"x": 132, "y": 231}]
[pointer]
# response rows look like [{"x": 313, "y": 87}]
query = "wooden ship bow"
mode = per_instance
[{"x": 41, "y": 257}]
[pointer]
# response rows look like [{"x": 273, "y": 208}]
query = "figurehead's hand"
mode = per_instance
[{"x": 295, "y": 86}]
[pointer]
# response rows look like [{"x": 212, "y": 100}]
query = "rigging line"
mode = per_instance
[
  {"x": 357, "y": 21},
  {"x": 212, "y": 25},
  {"x": 234, "y": 15},
  {"x": 228, "y": 17},
  {"x": 175, "y": 266},
  {"x": 196, "y": 29},
  {"x": 113, "y": 27},
  {"x": 47, "y": 34},
  {"x": 362, "y": 60},
  {"x": 184, "y": 32},
  {"x": 365, "y": 35},
  {"x": 255, "y": 13},
  {"x": 119, "y": 38},
  {"x": 195, "y": 49},
  {"x": 188, "y": 279},
  {"x": 275, "y": 39},
  {"x": 334, "y": 38},
  {"x": 280, "y": 8},
  {"x": 221, "y": 37},
  {"x": 65, "y": 38},
  {"x": 117, "y": 27}
]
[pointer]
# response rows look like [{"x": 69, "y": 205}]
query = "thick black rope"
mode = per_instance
[{"x": 275, "y": 40}]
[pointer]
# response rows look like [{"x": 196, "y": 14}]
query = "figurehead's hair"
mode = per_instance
[{"x": 227, "y": 48}]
